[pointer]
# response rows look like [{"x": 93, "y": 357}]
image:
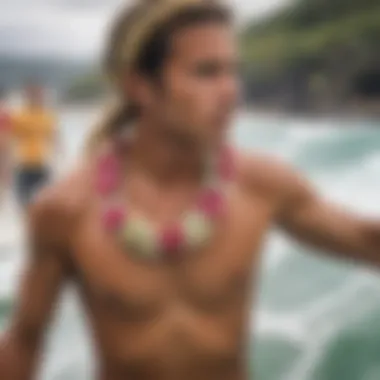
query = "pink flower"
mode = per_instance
[
  {"x": 211, "y": 203},
  {"x": 113, "y": 218},
  {"x": 172, "y": 240}
]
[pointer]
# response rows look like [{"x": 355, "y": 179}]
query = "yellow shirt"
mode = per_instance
[{"x": 33, "y": 131}]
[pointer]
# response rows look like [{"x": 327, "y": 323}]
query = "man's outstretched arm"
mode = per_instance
[
  {"x": 46, "y": 270},
  {"x": 312, "y": 220}
]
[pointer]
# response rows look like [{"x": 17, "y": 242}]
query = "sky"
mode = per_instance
[{"x": 75, "y": 29}]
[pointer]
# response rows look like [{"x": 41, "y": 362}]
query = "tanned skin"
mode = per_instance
[{"x": 187, "y": 319}]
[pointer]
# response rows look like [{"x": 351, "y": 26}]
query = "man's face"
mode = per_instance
[{"x": 199, "y": 87}]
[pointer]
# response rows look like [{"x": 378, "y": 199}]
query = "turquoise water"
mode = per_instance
[{"x": 315, "y": 319}]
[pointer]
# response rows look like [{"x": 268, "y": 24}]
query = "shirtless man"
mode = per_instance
[{"x": 182, "y": 317}]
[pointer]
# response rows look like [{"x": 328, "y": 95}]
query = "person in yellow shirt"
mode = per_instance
[{"x": 34, "y": 132}]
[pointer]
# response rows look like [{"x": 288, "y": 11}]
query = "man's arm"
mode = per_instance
[
  {"x": 45, "y": 273},
  {"x": 312, "y": 220}
]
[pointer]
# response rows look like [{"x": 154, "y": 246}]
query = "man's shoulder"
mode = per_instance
[
  {"x": 265, "y": 174},
  {"x": 58, "y": 206}
]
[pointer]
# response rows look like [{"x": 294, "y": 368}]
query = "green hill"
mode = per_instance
[
  {"x": 15, "y": 71},
  {"x": 314, "y": 50}
]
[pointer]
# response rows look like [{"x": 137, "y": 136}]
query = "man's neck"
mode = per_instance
[{"x": 167, "y": 155}]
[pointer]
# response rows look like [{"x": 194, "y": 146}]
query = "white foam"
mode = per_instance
[{"x": 285, "y": 326}]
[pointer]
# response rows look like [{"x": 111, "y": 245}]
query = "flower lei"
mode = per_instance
[{"x": 140, "y": 236}]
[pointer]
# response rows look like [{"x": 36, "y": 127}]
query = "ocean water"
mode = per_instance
[{"x": 314, "y": 318}]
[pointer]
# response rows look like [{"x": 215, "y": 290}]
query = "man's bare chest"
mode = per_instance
[{"x": 213, "y": 280}]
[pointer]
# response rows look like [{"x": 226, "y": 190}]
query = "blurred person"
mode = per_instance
[
  {"x": 34, "y": 136},
  {"x": 162, "y": 225},
  {"x": 5, "y": 130}
]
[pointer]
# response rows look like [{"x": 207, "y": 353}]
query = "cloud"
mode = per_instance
[
  {"x": 74, "y": 28},
  {"x": 62, "y": 28}
]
